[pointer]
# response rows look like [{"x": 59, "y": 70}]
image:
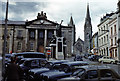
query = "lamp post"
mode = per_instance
[{"x": 4, "y": 44}]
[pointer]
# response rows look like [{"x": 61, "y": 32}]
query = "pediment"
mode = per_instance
[{"x": 41, "y": 22}]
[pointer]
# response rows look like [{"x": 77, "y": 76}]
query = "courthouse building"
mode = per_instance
[{"x": 35, "y": 35}]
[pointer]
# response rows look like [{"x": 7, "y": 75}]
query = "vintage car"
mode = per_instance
[
  {"x": 30, "y": 63},
  {"x": 34, "y": 74},
  {"x": 107, "y": 59},
  {"x": 65, "y": 70},
  {"x": 93, "y": 73}
]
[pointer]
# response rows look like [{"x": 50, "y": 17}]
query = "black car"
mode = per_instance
[
  {"x": 93, "y": 73},
  {"x": 29, "y": 55},
  {"x": 65, "y": 70},
  {"x": 34, "y": 74},
  {"x": 7, "y": 59}
]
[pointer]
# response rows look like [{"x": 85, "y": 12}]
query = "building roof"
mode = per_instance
[{"x": 10, "y": 22}]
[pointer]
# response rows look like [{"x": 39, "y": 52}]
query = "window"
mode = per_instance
[
  {"x": 104, "y": 39},
  {"x": 105, "y": 73},
  {"x": 31, "y": 46},
  {"x": 111, "y": 42},
  {"x": 115, "y": 52},
  {"x": 19, "y": 33},
  {"x": 115, "y": 40},
  {"x": 41, "y": 34},
  {"x": 115, "y": 29},
  {"x": 107, "y": 38},
  {"x": 32, "y": 34},
  {"x": 50, "y": 34},
  {"x": 101, "y": 30},
  {"x": 111, "y": 31},
  {"x": 19, "y": 46},
  {"x": 91, "y": 74}
]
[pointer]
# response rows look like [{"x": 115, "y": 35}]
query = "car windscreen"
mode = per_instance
[
  {"x": 48, "y": 65},
  {"x": 78, "y": 72}
]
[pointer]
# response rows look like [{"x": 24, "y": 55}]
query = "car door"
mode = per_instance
[
  {"x": 106, "y": 75},
  {"x": 91, "y": 75}
]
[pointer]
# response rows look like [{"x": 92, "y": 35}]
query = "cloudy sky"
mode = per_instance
[{"x": 58, "y": 10}]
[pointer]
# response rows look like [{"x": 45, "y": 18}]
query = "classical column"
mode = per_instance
[
  {"x": 11, "y": 41},
  {"x": 26, "y": 39},
  {"x": 55, "y": 32},
  {"x": 45, "y": 40},
  {"x": 36, "y": 39}
]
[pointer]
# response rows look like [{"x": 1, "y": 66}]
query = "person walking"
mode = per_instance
[{"x": 13, "y": 72}]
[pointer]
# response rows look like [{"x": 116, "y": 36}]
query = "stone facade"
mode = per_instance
[
  {"x": 35, "y": 35},
  {"x": 95, "y": 44},
  {"x": 103, "y": 35},
  {"x": 78, "y": 47}
]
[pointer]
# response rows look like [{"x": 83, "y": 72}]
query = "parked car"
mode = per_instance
[
  {"x": 29, "y": 63},
  {"x": 29, "y": 55},
  {"x": 93, "y": 73},
  {"x": 7, "y": 59},
  {"x": 86, "y": 55},
  {"x": 118, "y": 62},
  {"x": 94, "y": 57},
  {"x": 65, "y": 70},
  {"x": 107, "y": 59},
  {"x": 78, "y": 58},
  {"x": 34, "y": 74}
]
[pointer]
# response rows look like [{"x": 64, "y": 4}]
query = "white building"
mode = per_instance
[
  {"x": 103, "y": 35},
  {"x": 113, "y": 32}
]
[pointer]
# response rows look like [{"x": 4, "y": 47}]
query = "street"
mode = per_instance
[{"x": 113, "y": 66}]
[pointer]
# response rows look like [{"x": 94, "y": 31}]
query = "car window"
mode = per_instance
[
  {"x": 48, "y": 65},
  {"x": 106, "y": 73},
  {"x": 78, "y": 72},
  {"x": 64, "y": 68},
  {"x": 56, "y": 66},
  {"x": 91, "y": 74},
  {"x": 104, "y": 57},
  {"x": 35, "y": 63}
]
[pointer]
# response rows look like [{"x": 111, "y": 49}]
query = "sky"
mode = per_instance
[{"x": 57, "y": 10}]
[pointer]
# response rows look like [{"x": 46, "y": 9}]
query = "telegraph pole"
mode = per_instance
[{"x": 4, "y": 45}]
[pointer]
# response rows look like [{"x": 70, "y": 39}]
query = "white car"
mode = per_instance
[{"x": 107, "y": 59}]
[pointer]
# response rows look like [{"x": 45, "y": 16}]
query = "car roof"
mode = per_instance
[
  {"x": 94, "y": 67},
  {"x": 28, "y": 53},
  {"x": 58, "y": 61},
  {"x": 75, "y": 62},
  {"x": 28, "y": 59}
]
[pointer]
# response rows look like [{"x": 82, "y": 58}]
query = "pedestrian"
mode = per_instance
[{"x": 13, "y": 72}]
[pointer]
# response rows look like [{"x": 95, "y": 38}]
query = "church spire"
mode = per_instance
[
  {"x": 88, "y": 18},
  {"x": 88, "y": 12},
  {"x": 71, "y": 22}
]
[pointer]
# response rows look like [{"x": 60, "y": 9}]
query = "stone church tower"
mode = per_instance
[
  {"x": 87, "y": 32},
  {"x": 71, "y": 24}
]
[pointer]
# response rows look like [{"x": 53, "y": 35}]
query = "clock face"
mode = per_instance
[{"x": 41, "y": 21}]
